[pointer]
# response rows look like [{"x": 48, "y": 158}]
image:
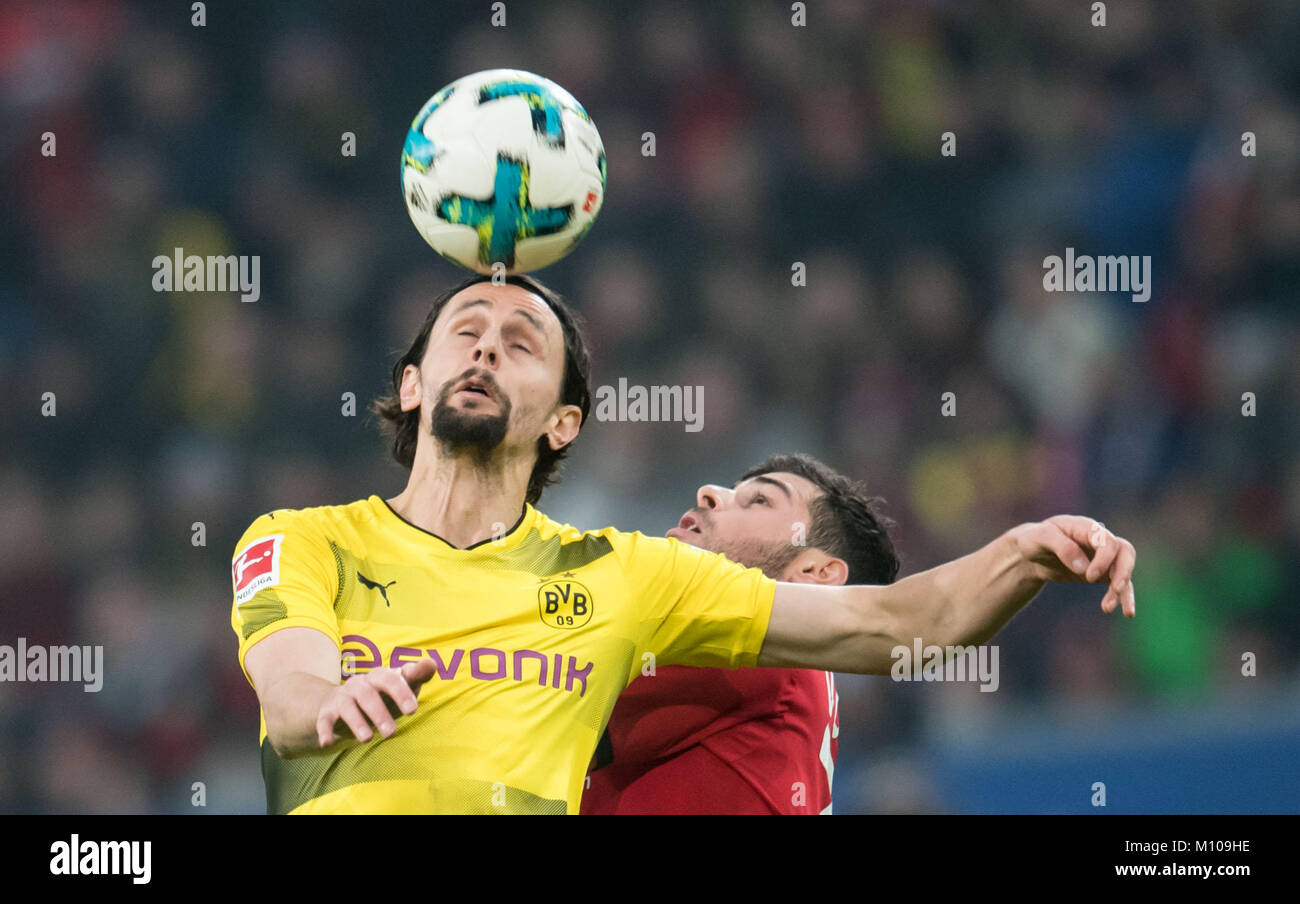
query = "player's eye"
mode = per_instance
[
  {"x": 468, "y": 333},
  {"x": 522, "y": 348},
  {"x": 758, "y": 499}
]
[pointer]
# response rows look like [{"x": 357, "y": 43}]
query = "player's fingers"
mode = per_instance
[
  {"x": 1064, "y": 547},
  {"x": 417, "y": 673},
  {"x": 394, "y": 685},
  {"x": 1109, "y": 601},
  {"x": 1078, "y": 528},
  {"x": 325, "y": 724},
  {"x": 350, "y": 715},
  {"x": 1105, "y": 548},
  {"x": 1130, "y": 599},
  {"x": 1121, "y": 572},
  {"x": 367, "y": 697}
]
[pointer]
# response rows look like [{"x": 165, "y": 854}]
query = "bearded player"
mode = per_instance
[
  {"x": 746, "y": 741},
  {"x": 482, "y": 677}
]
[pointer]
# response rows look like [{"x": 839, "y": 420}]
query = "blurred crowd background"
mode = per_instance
[{"x": 775, "y": 144}]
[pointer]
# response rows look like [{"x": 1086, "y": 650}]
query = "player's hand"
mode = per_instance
[
  {"x": 1073, "y": 548},
  {"x": 376, "y": 698}
]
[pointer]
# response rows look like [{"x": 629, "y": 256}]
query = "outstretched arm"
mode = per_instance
[{"x": 965, "y": 601}]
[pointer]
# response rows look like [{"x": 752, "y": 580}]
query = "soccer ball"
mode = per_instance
[{"x": 503, "y": 169}]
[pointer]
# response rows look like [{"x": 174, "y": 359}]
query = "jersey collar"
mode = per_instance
[{"x": 390, "y": 519}]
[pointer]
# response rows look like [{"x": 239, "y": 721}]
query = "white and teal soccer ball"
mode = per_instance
[{"x": 503, "y": 167}]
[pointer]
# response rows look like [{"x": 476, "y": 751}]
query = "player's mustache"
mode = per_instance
[{"x": 483, "y": 377}]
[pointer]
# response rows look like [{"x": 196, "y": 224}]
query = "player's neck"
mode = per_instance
[{"x": 462, "y": 500}]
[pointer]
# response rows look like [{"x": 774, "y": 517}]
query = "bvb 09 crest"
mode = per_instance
[{"x": 564, "y": 604}]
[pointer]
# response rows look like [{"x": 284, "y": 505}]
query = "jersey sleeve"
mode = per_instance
[
  {"x": 285, "y": 575},
  {"x": 702, "y": 609}
]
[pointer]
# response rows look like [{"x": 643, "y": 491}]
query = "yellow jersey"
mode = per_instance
[{"x": 533, "y": 634}]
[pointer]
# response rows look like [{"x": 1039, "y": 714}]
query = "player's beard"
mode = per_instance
[
  {"x": 459, "y": 430},
  {"x": 771, "y": 558}
]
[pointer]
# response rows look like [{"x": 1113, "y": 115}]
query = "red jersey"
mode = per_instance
[{"x": 701, "y": 740}]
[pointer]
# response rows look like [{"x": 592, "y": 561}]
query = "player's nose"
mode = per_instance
[
  {"x": 487, "y": 350},
  {"x": 713, "y": 497}
]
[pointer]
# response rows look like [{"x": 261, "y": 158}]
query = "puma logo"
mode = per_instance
[{"x": 375, "y": 585}]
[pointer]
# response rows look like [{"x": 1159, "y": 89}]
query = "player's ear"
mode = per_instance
[
  {"x": 409, "y": 390},
  {"x": 812, "y": 566},
  {"x": 565, "y": 423}
]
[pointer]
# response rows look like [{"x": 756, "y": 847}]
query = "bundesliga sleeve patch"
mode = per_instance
[{"x": 258, "y": 566}]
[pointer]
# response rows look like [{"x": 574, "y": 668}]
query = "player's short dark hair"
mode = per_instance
[
  {"x": 846, "y": 522},
  {"x": 575, "y": 389}
]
